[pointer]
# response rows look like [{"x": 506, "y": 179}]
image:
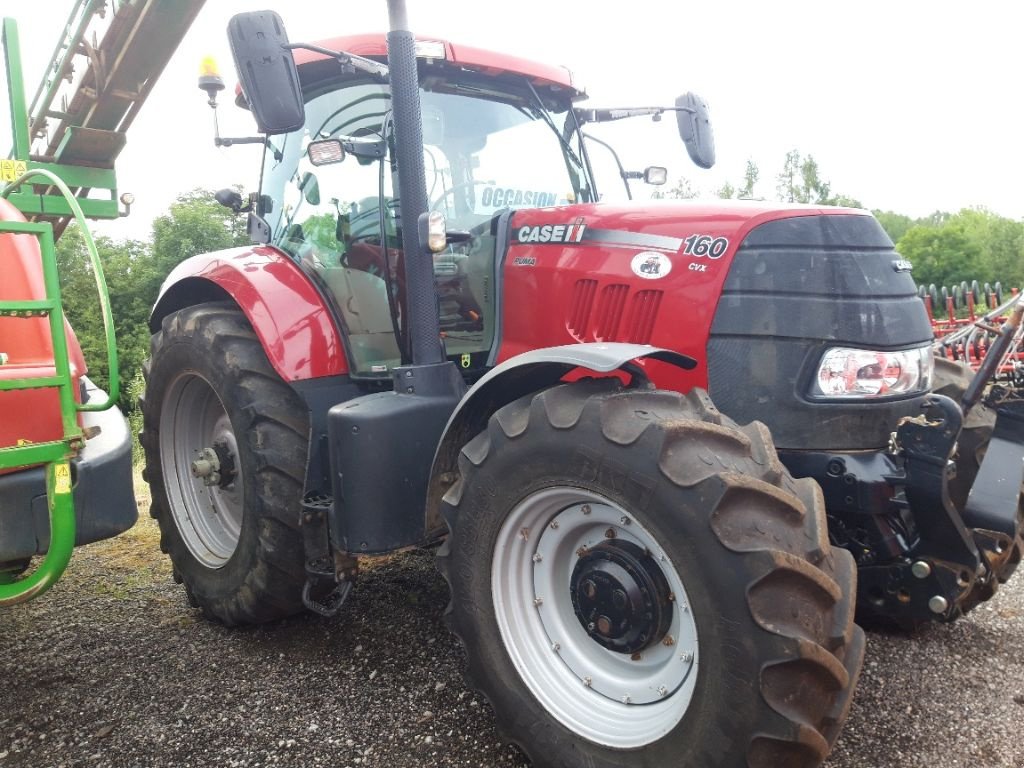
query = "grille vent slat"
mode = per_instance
[
  {"x": 643, "y": 313},
  {"x": 597, "y": 313},
  {"x": 609, "y": 311},
  {"x": 580, "y": 308}
]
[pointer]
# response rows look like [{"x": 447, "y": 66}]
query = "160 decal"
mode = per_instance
[{"x": 705, "y": 245}]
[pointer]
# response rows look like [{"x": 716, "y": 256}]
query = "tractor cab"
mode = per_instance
[{"x": 496, "y": 137}]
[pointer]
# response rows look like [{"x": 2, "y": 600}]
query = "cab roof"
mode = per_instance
[{"x": 374, "y": 45}]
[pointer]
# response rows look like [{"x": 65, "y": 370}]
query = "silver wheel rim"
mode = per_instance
[
  {"x": 606, "y": 697},
  {"x": 208, "y": 517}
]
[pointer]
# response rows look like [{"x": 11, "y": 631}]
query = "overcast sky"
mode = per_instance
[{"x": 912, "y": 106}]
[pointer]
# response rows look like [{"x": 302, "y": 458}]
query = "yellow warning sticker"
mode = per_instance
[
  {"x": 12, "y": 169},
  {"x": 62, "y": 478},
  {"x": 466, "y": 361}
]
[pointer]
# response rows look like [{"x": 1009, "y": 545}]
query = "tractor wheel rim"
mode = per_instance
[
  {"x": 208, "y": 517},
  {"x": 618, "y": 699}
]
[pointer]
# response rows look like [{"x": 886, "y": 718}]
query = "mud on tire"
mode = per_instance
[
  {"x": 772, "y": 603},
  {"x": 262, "y": 578}
]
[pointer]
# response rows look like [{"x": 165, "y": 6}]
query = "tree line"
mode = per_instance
[{"x": 945, "y": 248}]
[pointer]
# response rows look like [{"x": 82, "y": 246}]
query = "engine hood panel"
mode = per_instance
[{"x": 648, "y": 273}]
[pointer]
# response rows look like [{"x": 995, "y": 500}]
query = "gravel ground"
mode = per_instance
[{"x": 112, "y": 668}]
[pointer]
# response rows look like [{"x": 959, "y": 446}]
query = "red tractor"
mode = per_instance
[{"x": 440, "y": 336}]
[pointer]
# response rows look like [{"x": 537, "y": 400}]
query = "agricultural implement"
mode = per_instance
[
  {"x": 965, "y": 333},
  {"x": 65, "y": 451}
]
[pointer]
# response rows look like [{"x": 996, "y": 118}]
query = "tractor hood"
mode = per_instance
[{"x": 756, "y": 292}]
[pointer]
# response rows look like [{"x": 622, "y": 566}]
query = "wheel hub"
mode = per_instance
[
  {"x": 215, "y": 465},
  {"x": 621, "y": 597}
]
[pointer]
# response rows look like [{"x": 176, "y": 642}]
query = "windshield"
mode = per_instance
[{"x": 485, "y": 151}]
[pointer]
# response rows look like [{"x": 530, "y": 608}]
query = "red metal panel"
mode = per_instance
[
  {"x": 32, "y": 415},
  {"x": 597, "y": 271},
  {"x": 490, "y": 62},
  {"x": 286, "y": 311}
]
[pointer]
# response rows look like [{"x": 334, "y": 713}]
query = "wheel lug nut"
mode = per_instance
[
  {"x": 627, "y": 699},
  {"x": 587, "y": 681},
  {"x": 610, "y": 533},
  {"x": 585, "y": 509},
  {"x": 669, "y": 640},
  {"x": 625, "y": 520},
  {"x": 538, "y": 601},
  {"x": 556, "y": 647},
  {"x": 554, "y": 525},
  {"x": 662, "y": 691},
  {"x": 537, "y": 557}
]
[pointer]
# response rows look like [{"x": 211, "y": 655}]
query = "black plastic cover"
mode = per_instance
[
  {"x": 270, "y": 80},
  {"x": 796, "y": 287},
  {"x": 381, "y": 449}
]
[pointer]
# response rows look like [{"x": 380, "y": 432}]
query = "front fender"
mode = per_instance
[
  {"x": 283, "y": 306},
  {"x": 516, "y": 377}
]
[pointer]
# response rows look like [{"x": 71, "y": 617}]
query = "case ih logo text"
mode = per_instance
[{"x": 552, "y": 233}]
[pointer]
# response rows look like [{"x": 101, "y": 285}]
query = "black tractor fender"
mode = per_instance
[{"x": 514, "y": 378}]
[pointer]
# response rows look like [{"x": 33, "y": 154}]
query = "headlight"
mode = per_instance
[{"x": 863, "y": 373}]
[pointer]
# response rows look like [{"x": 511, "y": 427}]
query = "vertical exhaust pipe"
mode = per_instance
[{"x": 423, "y": 321}]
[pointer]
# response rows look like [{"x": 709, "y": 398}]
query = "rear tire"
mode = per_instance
[
  {"x": 761, "y": 614},
  {"x": 236, "y": 546}
]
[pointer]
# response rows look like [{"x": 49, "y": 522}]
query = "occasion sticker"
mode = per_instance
[
  {"x": 651, "y": 265},
  {"x": 510, "y": 197}
]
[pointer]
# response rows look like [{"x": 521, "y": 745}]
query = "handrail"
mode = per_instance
[
  {"x": 114, "y": 376},
  {"x": 62, "y": 540}
]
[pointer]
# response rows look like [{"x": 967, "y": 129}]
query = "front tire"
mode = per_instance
[
  {"x": 637, "y": 580},
  {"x": 233, "y": 538}
]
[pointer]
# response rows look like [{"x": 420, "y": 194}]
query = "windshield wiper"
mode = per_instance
[{"x": 551, "y": 124}]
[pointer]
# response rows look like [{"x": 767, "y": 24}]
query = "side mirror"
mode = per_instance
[
  {"x": 266, "y": 67},
  {"x": 310, "y": 188},
  {"x": 655, "y": 174},
  {"x": 229, "y": 198},
  {"x": 695, "y": 129}
]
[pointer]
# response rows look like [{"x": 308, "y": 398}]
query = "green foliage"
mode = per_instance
[
  {"x": 750, "y": 177},
  {"x": 727, "y": 191},
  {"x": 894, "y": 224},
  {"x": 683, "y": 190},
  {"x": 801, "y": 182},
  {"x": 134, "y": 271},
  {"x": 134, "y": 388},
  {"x": 974, "y": 244},
  {"x": 940, "y": 255}
]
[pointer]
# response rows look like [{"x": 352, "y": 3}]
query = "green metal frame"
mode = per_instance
[
  {"x": 56, "y": 454},
  {"x": 79, "y": 177}
]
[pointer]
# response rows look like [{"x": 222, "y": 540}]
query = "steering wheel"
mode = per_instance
[{"x": 435, "y": 203}]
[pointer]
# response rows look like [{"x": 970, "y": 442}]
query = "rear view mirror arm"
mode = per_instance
[
  {"x": 230, "y": 142},
  {"x": 608, "y": 115},
  {"x": 348, "y": 60}
]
